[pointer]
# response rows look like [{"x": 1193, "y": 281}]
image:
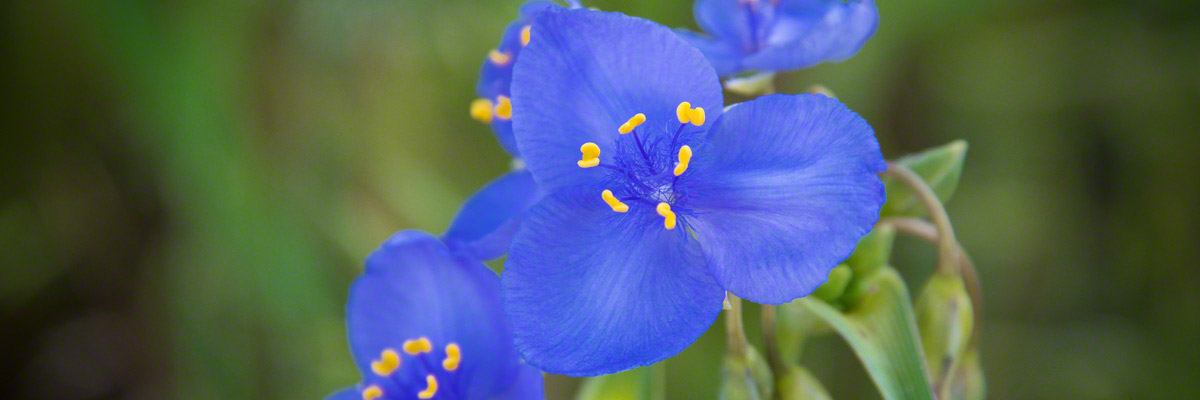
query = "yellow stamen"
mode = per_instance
[
  {"x": 481, "y": 110},
  {"x": 682, "y": 111},
  {"x": 612, "y": 201},
  {"x": 664, "y": 210},
  {"x": 696, "y": 115},
  {"x": 417, "y": 346},
  {"x": 503, "y": 107},
  {"x": 499, "y": 58},
  {"x": 372, "y": 392},
  {"x": 685, "y": 157},
  {"x": 429, "y": 390},
  {"x": 388, "y": 362},
  {"x": 591, "y": 155},
  {"x": 453, "y": 357},
  {"x": 633, "y": 122},
  {"x": 525, "y": 35}
]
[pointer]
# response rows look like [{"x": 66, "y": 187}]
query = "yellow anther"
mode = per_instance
[
  {"x": 664, "y": 210},
  {"x": 418, "y": 346},
  {"x": 612, "y": 201},
  {"x": 481, "y": 110},
  {"x": 503, "y": 107},
  {"x": 696, "y": 115},
  {"x": 633, "y": 122},
  {"x": 388, "y": 362},
  {"x": 525, "y": 35},
  {"x": 431, "y": 389},
  {"x": 591, "y": 155},
  {"x": 453, "y": 357},
  {"x": 683, "y": 112},
  {"x": 499, "y": 58},
  {"x": 372, "y": 392},
  {"x": 685, "y": 157}
]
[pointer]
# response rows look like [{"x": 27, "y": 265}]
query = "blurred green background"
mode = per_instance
[{"x": 189, "y": 187}]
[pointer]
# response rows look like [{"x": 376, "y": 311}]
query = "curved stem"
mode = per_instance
[
  {"x": 735, "y": 333},
  {"x": 770, "y": 343},
  {"x": 948, "y": 253}
]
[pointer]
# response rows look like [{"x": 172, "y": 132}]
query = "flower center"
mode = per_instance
[
  {"x": 389, "y": 362},
  {"x": 647, "y": 164}
]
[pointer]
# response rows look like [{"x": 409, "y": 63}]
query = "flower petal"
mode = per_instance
[
  {"x": 488, "y": 219},
  {"x": 724, "y": 57},
  {"x": 414, "y": 287},
  {"x": 592, "y": 292},
  {"x": 528, "y": 386},
  {"x": 816, "y": 31},
  {"x": 585, "y": 73},
  {"x": 790, "y": 187},
  {"x": 732, "y": 21}
]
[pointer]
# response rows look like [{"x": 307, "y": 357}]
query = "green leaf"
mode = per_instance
[
  {"x": 940, "y": 167},
  {"x": 945, "y": 319},
  {"x": 635, "y": 384},
  {"x": 880, "y": 327},
  {"x": 799, "y": 384}
]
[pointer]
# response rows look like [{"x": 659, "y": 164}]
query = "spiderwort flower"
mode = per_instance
[
  {"x": 494, "y": 105},
  {"x": 488, "y": 219},
  {"x": 778, "y": 35},
  {"x": 660, "y": 200},
  {"x": 425, "y": 323}
]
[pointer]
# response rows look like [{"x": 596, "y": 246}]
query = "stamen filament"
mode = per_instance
[
  {"x": 685, "y": 157},
  {"x": 664, "y": 210},
  {"x": 430, "y": 389},
  {"x": 612, "y": 201},
  {"x": 591, "y": 155}
]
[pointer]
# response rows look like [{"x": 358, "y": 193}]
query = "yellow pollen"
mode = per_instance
[
  {"x": 417, "y": 346},
  {"x": 591, "y": 155},
  {"x": 682, "y": 111},
  {"x": 685, "y": 157},
  {"x": 453, "y": 357},
  {"x": 481, "y": 110},
  {"x": 525, "y": 35},
  {"x": 633, "y": 122},
  {"x": 664, "y": 210},
  {"x": 696, "y": 115},
  {"x": 612, "y": 201},
  {"x": 372, "y": 392},
  {"x": 499, "y": 58},
  {"x": 429, "y": 390},
  {"x": 388, "y": 362},
  {"x": 503, "y": 107}
]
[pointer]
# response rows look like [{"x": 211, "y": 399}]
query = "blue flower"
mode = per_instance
[
  {"x": 779, "y": 35},
  {"x": 424, "y": 323},
  {"x": 488, "y": 219},
  {"x": 673, "y": 201},
  {"x": 494, "y": 106}
]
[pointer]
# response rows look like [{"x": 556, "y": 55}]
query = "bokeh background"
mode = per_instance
[{"x": 189, "y": 187}]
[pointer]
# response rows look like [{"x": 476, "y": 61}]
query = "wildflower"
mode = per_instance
[
  {"x": 660, "y": 200},
  {"x": 494, "y": 105},
  {"x": 779, "y": 35},
  {"x": 488, "y": 219},
  {"x": 425, "y": 323}
]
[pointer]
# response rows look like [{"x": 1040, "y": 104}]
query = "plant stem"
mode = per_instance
[
  {"x": 735, "y": 332},
  {"x": 948, "y": 249},
  {"x": 770, "y": 343}
]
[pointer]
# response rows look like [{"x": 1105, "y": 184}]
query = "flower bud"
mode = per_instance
[
  {"x": 833, "y": 288},
  {"x": 945, "y": 319},
  {"x": 746, "y": 378},
  {"x": 799, "y": 384}
]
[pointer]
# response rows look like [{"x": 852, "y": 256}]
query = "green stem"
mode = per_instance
[
  {"x": 770, "y": 342},
  {"x": 948, "y": 253},
  {"x": 735, "y": 333}
]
